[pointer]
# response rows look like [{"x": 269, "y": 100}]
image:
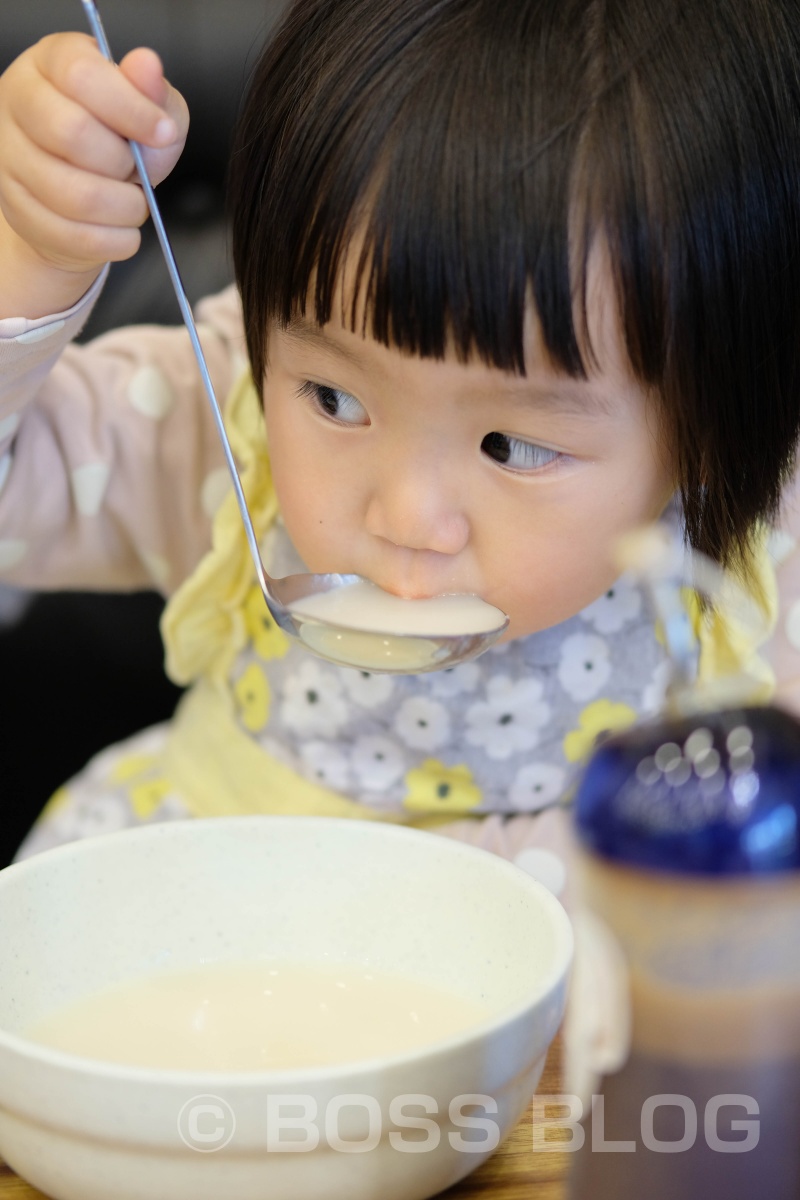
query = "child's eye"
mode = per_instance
[
  {"x": 516, "y": 454},
  {"x": 341, "y": 406}
]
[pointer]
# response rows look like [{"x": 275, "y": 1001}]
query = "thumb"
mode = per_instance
[{"x": 144, "y": 69}]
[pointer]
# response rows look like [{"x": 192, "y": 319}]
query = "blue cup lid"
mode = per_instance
[{"x": 717, "y": 794}]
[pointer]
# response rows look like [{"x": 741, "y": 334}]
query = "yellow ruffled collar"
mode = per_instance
[{"x": 203, "y": 625}]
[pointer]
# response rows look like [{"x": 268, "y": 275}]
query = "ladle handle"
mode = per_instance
[{"x": 96, "y": 25}]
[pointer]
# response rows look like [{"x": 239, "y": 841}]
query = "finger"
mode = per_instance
[
  {"x": 143, "y": 68},
  {"x": 75, "y": 194},
  {"x": 84, "y": 76},
  {"x": 158, "y": 163},
  {"x": 68, "y": 244},
  {"x": 145, "y": 71},
  {"x": 67, "y": 130},
  {"x": 62, "y": 128}
]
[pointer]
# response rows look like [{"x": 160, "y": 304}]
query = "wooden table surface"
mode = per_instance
[{"x": 515, "y": 1172}]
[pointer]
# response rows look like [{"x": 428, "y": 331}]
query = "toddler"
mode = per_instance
[{"x": 513, "y": 277}]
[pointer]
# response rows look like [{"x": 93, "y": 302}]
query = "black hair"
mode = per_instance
[{"x": 473, "y": 149}]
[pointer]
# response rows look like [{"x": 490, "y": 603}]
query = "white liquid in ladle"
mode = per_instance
[
  {"x": 361, "y": 625},
  {"x": 368, "y": 607}
]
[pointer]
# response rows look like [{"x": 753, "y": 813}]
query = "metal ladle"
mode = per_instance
[{"x": 377, "y": 651}]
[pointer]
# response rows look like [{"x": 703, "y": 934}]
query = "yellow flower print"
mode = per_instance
[
  {"x": 145, "y": 794},
  {"x": 433, "y": 787},
  {"x": 146, "y": 797},
  {"x": 56, "y": 801},
  {"x": 601, "y": 716},
  {"x": 268, "y": 640},
  {"x": 132, "y": 765},
  {"x": 252, "y": 695}
]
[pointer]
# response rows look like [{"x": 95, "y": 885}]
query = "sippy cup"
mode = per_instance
[{"x": 690, "y": 857}]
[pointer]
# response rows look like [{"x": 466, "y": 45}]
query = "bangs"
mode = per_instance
[
  {"x": 417, "y": 155},
  {"x": 458, "y": 215}
]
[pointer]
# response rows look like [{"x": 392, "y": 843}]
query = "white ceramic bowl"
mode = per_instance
[{"x": 118, "y": 907}]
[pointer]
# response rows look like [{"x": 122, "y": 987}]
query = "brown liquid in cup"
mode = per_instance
[{"x": 715, "y": 993}]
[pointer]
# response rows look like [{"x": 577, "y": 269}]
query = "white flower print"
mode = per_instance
[
  {"x": 422, "y": 723},
  {"x": 620, "y": 604},
  {"x": 456, "y": 680},
  {"x": 278, "y": 750},
  {"x": 367, "y": 689},
  {"x": 313, "y": 701},
  {"x": 535, "y": 786},
  {"x": 325, "y": 763},
  {"x": 585, "y": 665},
  {"x": 378, "y": 762},
  {"x": 780, "y": 545},
  {"x": 500, "y": 650},
  {"x": 87, "y": 816},
  {"x": 510, "y": 718},
  {"x": 655, "y": 693},
  {"x": 171, "y": 808}
]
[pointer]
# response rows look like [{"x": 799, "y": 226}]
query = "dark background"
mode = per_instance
[{"x": 80, "y": 671}]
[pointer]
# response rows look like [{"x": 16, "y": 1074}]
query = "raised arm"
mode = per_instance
[{"x": 109, "y": 462}]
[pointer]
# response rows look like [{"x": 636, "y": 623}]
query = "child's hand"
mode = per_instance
[{"x": 68, "y": 189}]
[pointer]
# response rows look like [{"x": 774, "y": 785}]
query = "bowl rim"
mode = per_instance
[{"x": 552, "y": 980}]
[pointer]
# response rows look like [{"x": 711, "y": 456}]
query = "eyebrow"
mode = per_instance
[
  {"x": 568, "y": 397},
  {"x": 307, "y": 333}
]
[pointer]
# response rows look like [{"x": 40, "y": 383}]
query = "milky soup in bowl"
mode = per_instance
[{"x": 261, "y": 1007}]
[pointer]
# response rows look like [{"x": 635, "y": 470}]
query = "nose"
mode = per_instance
[{"x": 417, "y": 509}]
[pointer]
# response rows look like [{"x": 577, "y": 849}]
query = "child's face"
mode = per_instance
[{"x": 431, "y": 476}]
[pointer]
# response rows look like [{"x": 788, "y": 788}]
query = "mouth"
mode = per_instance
[
  {"x": 418, "y": 582},
  {"x": 411, "y": 592}
]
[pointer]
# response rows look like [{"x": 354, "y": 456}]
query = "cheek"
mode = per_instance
[
  {"x": 292, "y": 469},
  {"x": 302, "y": 501},
  {"x": 564, "y": 557},
  {"x": 556, "y": 577},
  {"x": 309, "y": 489}
]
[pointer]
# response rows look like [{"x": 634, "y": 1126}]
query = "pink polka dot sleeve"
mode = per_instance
[{"x": 110, "y": 465}]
